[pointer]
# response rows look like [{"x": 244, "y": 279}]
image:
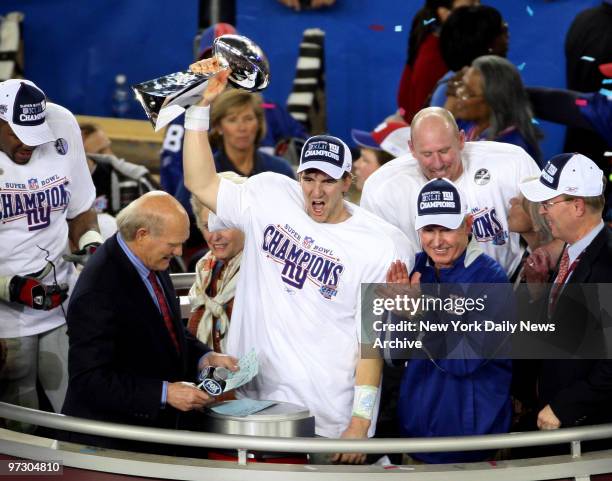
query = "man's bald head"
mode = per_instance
[
  {"x": 433, "y": 116},
  {"x": 436, "y": 143},
  {"x": 151, "y": 211}
]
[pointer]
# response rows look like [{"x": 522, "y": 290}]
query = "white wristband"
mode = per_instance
[
  {"x": 90, "y": 237},
  {"x": 364, "y": 401},
  {"x": 196, "y": 118},
  {"x": 5, "y": 282}
]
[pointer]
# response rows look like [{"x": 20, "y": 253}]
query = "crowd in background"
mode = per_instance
[{"x": 465, "y": 128}]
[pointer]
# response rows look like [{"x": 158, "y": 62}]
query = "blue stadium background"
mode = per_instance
[{"x": 74, "y": 50}]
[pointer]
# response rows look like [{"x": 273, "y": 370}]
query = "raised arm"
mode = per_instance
[{"x": 198, "y": 163}]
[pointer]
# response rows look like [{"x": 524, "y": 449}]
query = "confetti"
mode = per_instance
[
  {"x": 398, "y": 28},
  {"x": 606, "y": 92},
  {"x": 522, "y": 66},
  {"x": 529, "y": 11},
  {"x": 608, "y": 154},
  {"x": 377, "y": 28},
  {"x": 587, "y": 58},
  {"x": 428, "y": 21},
  {"x": 534, "y": 121},
  {"x": 581, "y": 102},
  {"x": 606, "y": 69}
]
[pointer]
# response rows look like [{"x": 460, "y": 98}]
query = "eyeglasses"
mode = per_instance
[
  {"x": 547, "y": 205},
  {"x": 463, "y": 94}
]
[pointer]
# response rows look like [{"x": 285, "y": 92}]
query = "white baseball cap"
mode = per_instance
[
  {"x": 571, "y": 174},
  {"x": 23, "y": 106},
  {"x": 392, "y": 137},
  {"x": 326, "y": 153},
  {"x": 440, "y": 203}
]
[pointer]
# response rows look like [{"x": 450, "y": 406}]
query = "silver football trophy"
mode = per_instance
[{"x": 167, "y": 97}]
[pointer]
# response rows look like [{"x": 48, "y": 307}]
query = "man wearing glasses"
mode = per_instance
[{"x": 578, "y": 390}]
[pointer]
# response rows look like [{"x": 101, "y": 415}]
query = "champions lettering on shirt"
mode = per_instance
[
  {"x": 302, "y": 260},
  {"x": 34, "y": 201},
  {"x": 487, "y": 227}
]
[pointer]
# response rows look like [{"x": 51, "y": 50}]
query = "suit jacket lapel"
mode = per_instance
[
  {"x": 588, "y": 256},
  {"x": 143, "y": 298}
]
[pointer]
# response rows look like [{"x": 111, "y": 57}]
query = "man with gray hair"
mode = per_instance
[
  {"x": 129, "y": 351},
  {"x": 578, "y": 389}
]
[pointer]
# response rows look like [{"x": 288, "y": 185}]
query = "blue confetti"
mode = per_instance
[
  {"x": 534, "y": 121},
  {"x": 529, "y": 11},
  {"x": 522, "y": 66},
  {"x": 431, "y": 20},
  {"x": 587, "y": 58},
  {"x": 606, "y": 92},
  {"x": 607, "y": 81},
  {"x": 398, "y": 28}
]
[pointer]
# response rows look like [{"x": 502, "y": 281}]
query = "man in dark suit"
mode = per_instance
[
  {"x": 578, "y": 389},
  {"x": 129, "y": 350}
]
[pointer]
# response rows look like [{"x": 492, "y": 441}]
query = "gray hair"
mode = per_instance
[
  {"x": 505, "y": 94},
  {"x": 139, "y": 214},
  {"x": 130, "y": 219}
]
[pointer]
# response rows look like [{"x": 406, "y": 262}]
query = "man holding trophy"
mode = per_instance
[{"x": 306, "y": 254}]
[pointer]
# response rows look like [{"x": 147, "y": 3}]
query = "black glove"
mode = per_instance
[
  {"x": 82, "y": 256},
  {"x": 30, "y": 292}
]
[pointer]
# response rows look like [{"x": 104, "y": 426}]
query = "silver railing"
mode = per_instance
[
  {"x": 183, "y": 281},
  {"x": 578, "y": 466},
  {"x": 305, "y": 445}
]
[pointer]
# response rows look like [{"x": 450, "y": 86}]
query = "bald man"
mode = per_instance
[
  {"x": 128, "y": 349},
  {"x": 488, "y": 173}
]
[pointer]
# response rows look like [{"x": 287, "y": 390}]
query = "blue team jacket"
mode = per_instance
[{"x": 451, "y": 397}]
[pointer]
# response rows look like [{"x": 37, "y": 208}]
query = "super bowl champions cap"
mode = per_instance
[
  {"x": 571, "y": 174},
  {"x": 23, "y": 105},
  {"x": 440, "y": 203},
  {"x": 327, "y": 154},
  {"x": 392, "y": 137}
]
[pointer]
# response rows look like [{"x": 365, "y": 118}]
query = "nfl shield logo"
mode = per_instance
[
  {"x": 307, "y": 242},
  {"x": 33, "y": 183}
]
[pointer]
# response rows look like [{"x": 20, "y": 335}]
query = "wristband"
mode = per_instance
[
  {"x": 5, "y": 293},
  {"x": 196, "y": 118},
  {"x": 364, "y": 401},
  {"x": 90, "y": 237}
]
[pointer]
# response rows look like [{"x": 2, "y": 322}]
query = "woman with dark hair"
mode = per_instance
[
  {"x": 468, "y": 33},
  {"x": 492, "y": 104},
  {"x": 424, "y": 65}
]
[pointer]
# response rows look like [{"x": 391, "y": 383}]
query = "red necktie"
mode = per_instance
[
  {"x": 163, "y": 307},
  {"x": 564, "y": 269}
]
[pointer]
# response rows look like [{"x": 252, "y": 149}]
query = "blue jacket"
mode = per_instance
[{"x": 456, "y": 397}]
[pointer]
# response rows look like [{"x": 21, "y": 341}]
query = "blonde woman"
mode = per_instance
[{"x": 212, "y": 294}]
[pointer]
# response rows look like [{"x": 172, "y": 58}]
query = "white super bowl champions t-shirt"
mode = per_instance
[
  {"x": 298, "y": 296},
  {"x": 491, "y": 175},
  {"x": 36, "y": 199}
]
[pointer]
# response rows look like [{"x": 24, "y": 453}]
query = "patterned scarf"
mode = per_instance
[{"x": 212, "y": 308}]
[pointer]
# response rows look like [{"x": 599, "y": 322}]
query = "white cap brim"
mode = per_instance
[
  {"x": 33, "y": 135},
  {"x": 333, "y": 171},
  {"x": 535, "y": 191},
  {"x": 450, "y": 221}
]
